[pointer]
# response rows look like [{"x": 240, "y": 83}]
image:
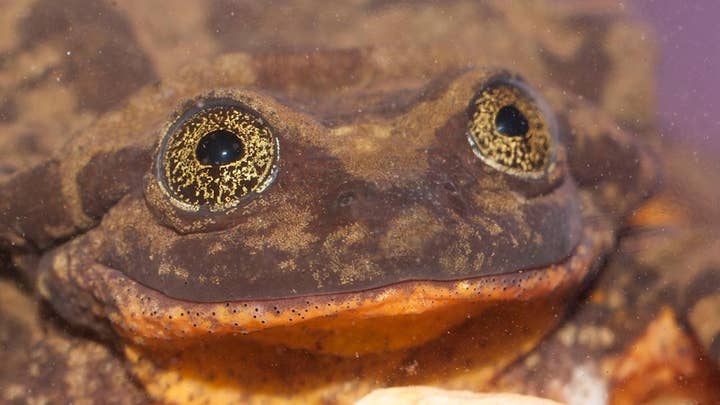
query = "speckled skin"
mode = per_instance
[
  {"x": 645, "y": 330},
  {"x": 383, "y": 248}
]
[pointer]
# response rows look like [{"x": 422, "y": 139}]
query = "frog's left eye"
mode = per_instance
[
  {"x": 509, "y": 130},
  {"x": 217, "y": 153}
]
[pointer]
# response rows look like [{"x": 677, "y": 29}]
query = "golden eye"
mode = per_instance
[
  {"x": 216, "y": 154},
  {"x": 508, "y": 130}
]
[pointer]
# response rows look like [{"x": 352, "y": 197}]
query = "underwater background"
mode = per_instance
[{"x": 689, "y": 68}]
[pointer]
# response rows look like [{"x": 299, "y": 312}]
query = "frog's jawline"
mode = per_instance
[
  {"x": 139, "y": 312},
  {"x": 370, "y": 290}
]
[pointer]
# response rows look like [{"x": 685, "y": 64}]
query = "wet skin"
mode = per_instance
[{"x": 329, "y": 214}]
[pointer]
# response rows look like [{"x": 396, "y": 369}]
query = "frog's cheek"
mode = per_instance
[{"x": 612, "y": 164}]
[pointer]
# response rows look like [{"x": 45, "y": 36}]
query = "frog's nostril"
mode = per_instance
[
  {"x": 345, "y": 198},
  {"x": 353, "y": 200},
  {"x": 450, "y": 186},
  {"x": 219, "y": 148}
]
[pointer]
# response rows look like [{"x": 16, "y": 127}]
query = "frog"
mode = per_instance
[{"x": 357, "y": 202}]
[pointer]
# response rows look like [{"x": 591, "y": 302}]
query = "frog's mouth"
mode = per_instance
[{"x": 343, "y": 323}]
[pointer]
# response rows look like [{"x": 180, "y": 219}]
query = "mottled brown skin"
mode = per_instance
[
  {"x": 44, "y": 360},
  {"x": 385, "y": 252},
  {"x": 646, "y": 331}
]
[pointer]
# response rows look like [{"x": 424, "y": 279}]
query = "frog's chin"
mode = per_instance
[{"x": 392, "y": 317}]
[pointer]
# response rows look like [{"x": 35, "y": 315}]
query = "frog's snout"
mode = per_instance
[{"x": 360, "y": 201}]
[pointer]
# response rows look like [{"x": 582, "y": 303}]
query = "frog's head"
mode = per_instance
[
  {"x": 244, "y": 205},
  {"x": 251, "y": 203}
]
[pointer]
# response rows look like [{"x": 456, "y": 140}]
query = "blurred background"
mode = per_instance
[{"x": 689, "y": 69}]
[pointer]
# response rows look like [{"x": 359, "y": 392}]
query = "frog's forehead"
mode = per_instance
[
  {"x": 582, "y": 46},
  {"x": 358, "y": 204}
]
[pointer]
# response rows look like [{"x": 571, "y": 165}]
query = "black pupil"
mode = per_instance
[
  {"x": 218, "y": 148},
  {"x": 510, "y": 121}
]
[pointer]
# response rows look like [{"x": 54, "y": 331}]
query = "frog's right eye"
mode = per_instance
[
  {"x": 509, "y": 130},
  {"x": 217, "y": 154}
]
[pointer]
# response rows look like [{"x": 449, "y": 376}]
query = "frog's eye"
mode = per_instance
[
  {"x": 509, "y": 130},
  {"x": 217, "y": 153}
]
